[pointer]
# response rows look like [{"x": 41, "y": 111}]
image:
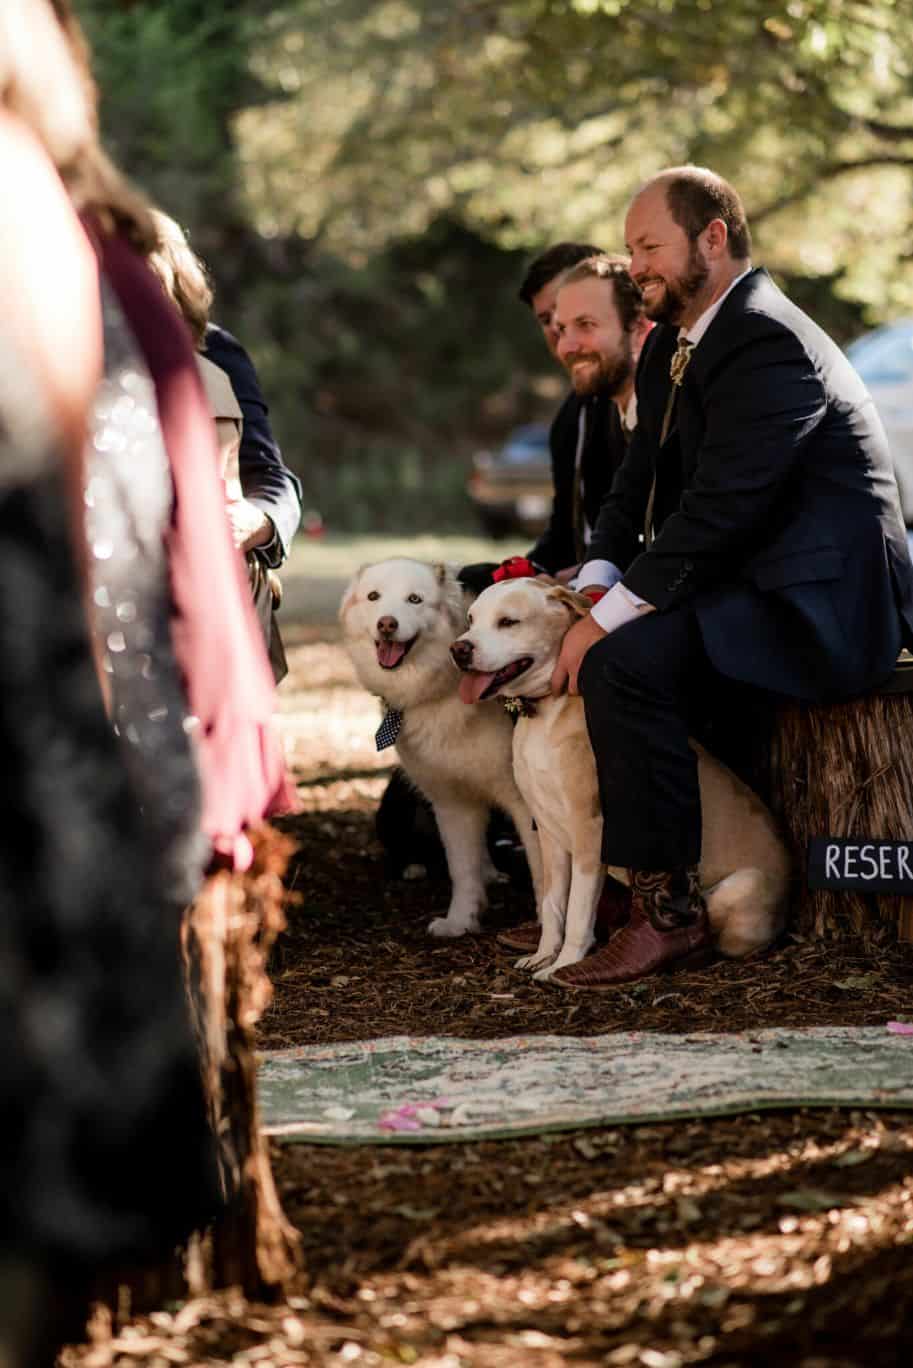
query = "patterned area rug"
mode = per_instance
[{"x": 428, "y": 1090}]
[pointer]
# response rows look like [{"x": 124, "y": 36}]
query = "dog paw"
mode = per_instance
[
  {"x": 535, "y": 961},
  {"x": 445, "y": 929},
  {"x": 543, "y": 974}
]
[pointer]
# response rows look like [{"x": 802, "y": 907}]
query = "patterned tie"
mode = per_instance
[
  {"x": 679, "y": 363},
  {"x": 388, "y": 730}
]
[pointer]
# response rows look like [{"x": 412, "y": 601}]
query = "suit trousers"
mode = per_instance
[{"x": 643, "y": 689}]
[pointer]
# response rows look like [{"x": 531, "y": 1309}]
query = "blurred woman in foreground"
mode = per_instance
[
  {"x": 222, "y": 663},
  {"x": 105, "y": 1149}
]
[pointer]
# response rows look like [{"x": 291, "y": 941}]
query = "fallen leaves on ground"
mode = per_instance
[{"x": 773, "y": 1240}]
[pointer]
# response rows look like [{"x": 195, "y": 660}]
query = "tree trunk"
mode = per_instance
[{"x": 845, "y": 770}]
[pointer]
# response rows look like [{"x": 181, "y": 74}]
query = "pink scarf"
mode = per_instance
[{"x": 217, "y": 642}]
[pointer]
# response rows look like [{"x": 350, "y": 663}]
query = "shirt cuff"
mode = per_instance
[
  {"x": 634, "y": 598},
  {"x": 616, "y": 608},
  {"x": 597, "y": 572}
]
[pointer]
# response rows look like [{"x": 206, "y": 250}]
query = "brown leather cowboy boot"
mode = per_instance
[
  {"x": 613, "y": 911},
  {"x": 668, "y": 930}
]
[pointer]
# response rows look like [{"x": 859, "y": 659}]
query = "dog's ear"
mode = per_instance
[
  {"x": 350, "y": 591},
  {"x": 454, "y": 597},
  {"x": 578, "y": 605}
]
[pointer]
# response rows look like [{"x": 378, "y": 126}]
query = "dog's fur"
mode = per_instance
[
  {"x": 744, "y": 867},
  {"x": 398, "y": 618}
]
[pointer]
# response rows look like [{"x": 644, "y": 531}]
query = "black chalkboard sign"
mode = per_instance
[{"x": 862, "y": 863}]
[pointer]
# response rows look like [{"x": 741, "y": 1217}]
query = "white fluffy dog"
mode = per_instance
[
  {"x": 511, "y": 647},
  {"x": 398, "y": 619}
]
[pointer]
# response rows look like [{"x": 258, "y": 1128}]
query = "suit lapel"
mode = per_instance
[
  {"x": 651, "y": 406},
  {"x": 653, "y": 410},
  {"x": 717, "y": 340},
  {"x": 687, "y": 423}
]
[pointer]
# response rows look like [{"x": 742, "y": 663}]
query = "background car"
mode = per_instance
[
  {"x": 512, "y": 487},
  {"x": 884, "y": 359}
]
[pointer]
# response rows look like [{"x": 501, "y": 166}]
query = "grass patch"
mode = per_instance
[{"x": 339, "y": 554}]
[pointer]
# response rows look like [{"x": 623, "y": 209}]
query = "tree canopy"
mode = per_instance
[
  {"x": 366, "y": 177},
  {"x": 536, "y": 119}
]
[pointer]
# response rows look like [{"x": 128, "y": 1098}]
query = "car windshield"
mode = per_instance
[
  {"x": 524, "y": 446},
  {"x": 884, "y": 357}
]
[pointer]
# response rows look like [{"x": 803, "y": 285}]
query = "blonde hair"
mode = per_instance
[
  {"x": 181, "y": 273},
  {"x": 40, "y": 83},
  {"x": 46, "y": 82}
]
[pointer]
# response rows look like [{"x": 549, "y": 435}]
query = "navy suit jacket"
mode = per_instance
[
  {"x": 603, "y": 452},
  {"x": 776, "y": 509},
  {"x": 265, "y": 478}
]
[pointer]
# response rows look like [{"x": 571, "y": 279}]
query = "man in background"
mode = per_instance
[
  {"x": 600, "y": 325},
  {"x": 597, "y": 340}
]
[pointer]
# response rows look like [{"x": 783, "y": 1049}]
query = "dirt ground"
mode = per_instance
[{"x": 770, "y": 1239}]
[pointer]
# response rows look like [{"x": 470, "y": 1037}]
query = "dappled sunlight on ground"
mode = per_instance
[
  {"x": 769, "y": 1240},
  {"x": 328, "y": 724}
]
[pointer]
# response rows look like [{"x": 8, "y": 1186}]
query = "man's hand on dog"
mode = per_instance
[
  {"x": 586, "y": 632},
  {"x": 577, "y": 642}
]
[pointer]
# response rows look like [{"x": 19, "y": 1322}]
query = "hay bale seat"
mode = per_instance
[{"x": 846, "y": 770}]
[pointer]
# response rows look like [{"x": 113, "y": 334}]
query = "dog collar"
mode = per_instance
[{"x": 519, "y": 707}]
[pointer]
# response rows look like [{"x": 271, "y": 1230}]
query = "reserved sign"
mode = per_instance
[{"x": 860, "y": 863}]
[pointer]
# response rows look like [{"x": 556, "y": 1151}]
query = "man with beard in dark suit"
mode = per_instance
[
  {"x": 588, "y": 436},
  {"x": 589, "y": 433},
  {"x": 753, "y": 532},
  {"x": 601, "y": 326}
]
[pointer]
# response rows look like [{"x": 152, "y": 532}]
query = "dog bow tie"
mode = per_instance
[
  {"x": 679, "y": 363},
  {"x": 389, "y": 728}
]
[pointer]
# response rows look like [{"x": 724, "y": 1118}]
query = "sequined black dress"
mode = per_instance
[
  {"x": 128, "y": 507},
  {"x": 105, "y": 1150}
]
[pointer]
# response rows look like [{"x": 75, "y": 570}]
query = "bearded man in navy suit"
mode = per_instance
[{"x": 753, "y": 532}]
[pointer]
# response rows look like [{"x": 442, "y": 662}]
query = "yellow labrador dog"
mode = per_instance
[
  {"x": 398, "y": 619},
  {"x": 510, "y": 649}
]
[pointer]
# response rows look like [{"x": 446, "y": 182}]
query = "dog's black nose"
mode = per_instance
[
  {"x": 387, "y": 626},
  {"x": 461, "y": 652}
]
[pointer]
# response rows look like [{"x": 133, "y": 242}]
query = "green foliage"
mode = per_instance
[
  {"x": 383, "y": 378},
  {"x": 383, "y": 487},
  {"x": 539, "y": 117},
  {"x": 172, "y": 78},
  {"x": 366, "y": 178}
]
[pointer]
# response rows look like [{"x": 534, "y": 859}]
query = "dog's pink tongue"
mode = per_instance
[
  {"x": 390, "y": 653},
  {"x": 473, "y": 685}
]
